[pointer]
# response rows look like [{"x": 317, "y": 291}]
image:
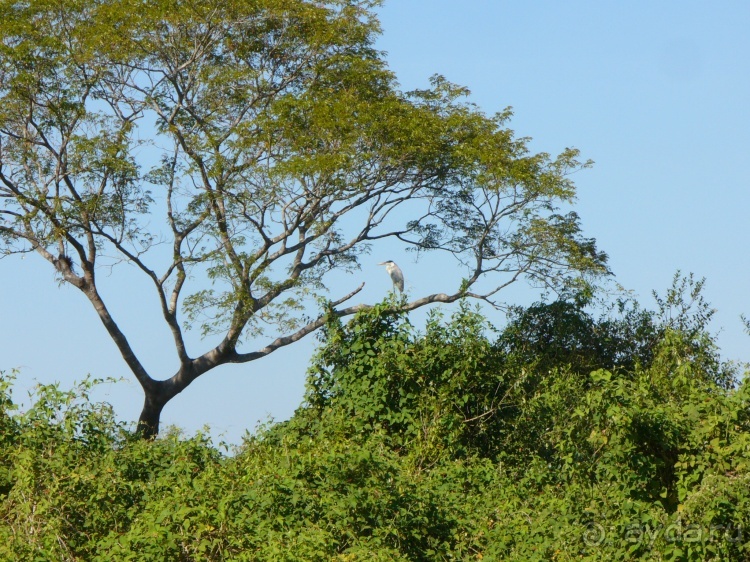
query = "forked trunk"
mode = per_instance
[
  {"x": 148, "y": 422},
  {"x": 158, "y": 393}
]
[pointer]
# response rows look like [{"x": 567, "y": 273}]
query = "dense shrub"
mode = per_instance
[{"x": 563, "y": 437}]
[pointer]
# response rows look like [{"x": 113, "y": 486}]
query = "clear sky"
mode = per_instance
[{"x": 656, "y": 93}]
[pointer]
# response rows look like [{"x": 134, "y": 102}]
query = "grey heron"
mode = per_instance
[{"x": 396, "y": 275}]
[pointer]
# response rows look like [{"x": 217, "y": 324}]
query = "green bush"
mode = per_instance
[{"x": 455, "y": 443}]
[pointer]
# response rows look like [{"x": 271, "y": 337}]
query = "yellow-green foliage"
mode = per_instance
[{"x": 441, "y": 445}]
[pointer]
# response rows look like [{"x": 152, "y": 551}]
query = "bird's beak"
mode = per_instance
[{"x": 382, "y": 263}]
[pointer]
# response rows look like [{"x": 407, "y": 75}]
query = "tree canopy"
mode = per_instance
[{"x": 238, "y": 153}]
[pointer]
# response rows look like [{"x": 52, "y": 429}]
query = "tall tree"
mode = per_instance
[{"x": 266, "y": 144}]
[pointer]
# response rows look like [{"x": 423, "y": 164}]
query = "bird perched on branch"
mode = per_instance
[{"x": 396, "y": 275}]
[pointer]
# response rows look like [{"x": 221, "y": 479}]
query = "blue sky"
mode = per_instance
[{"x": 656, "y": 93}]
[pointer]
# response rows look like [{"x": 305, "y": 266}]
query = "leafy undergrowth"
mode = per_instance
[{"x": 563, "y": 438}]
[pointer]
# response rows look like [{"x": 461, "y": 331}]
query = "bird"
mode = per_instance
[{"x": 396, "y": 275}]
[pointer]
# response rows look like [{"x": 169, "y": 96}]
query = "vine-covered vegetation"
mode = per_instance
[{"x": 564, "y": 436}]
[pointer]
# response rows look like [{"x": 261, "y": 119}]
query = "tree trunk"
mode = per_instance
[
  {"x": 148, "y": 422},
  {"x": 158, "y": 393}
]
